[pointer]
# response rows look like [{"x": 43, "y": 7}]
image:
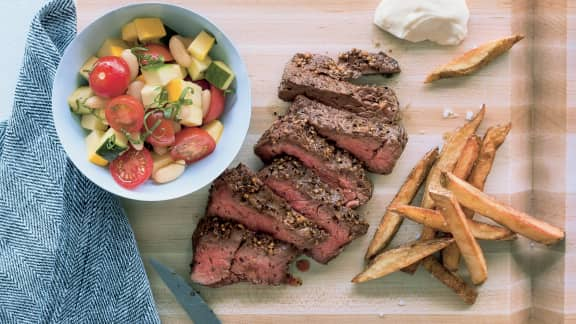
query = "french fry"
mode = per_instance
[
  {"x": 451, "y": 152},
  {"x": 451, "y": 254},
  {"x": 513, "y": 219},
  {"x": 434, "y": 219},
  {"x": 474, "y": 59},
  {"x": 458, "y": 224},
  {"x": 459, "y": 286},
  {"x": 492, "y": 140},
  {"x": 395, "y": 259},
  {"x": 391, "y": 221}
]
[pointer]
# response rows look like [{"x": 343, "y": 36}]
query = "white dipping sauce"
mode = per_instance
[{"x": 441, "y": 21}]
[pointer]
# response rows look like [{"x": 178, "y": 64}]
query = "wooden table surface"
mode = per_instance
[{"x": 532, "y": 86}]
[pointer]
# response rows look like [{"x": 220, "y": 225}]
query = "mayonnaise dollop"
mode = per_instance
[{"x": 441, "y": 21}]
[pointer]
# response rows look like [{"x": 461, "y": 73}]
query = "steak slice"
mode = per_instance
[
  {"x": 364, "y": 63},
  {"x": 226, "y": 252},
  {"x": 292, "y": 135},
  {"x": 378, "y": 145},
  {"x": 303, "y": 77},
  {"x": 306, "y": 193},
  {"x": 238, "y": 194}
]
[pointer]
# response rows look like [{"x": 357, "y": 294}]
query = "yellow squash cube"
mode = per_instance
[
  {"x": 174, "y": 89},
  {"x": 129, "y": 33},
  {"x": 112, "y": 47},
  {"x": 201, "y": 45},
  {"x": 149, "y": 29}
]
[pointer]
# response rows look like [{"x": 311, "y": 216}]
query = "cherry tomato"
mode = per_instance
[
  {"x": 110, "y": 77},
  {"x": 163, "y": 134},
  {"x": 125, "y": 113},
  {"x": 192, "y": 144},
  {"x": 155, "y": 51},
  {"x": 132, "y": 168},
  {"x": 216, "y": 108}
]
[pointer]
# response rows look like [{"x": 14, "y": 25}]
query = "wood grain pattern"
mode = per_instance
[{"x": 532, "y": 86}]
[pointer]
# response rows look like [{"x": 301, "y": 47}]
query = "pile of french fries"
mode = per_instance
[{"x": 453, "y": 183}]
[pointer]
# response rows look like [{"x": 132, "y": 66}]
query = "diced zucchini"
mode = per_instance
[
  {"x": 197, "y": 68},
  {"x": 184, "y": 72},
  {"x": 92, "y": 141},
  {"x": 149, "y": 29},
  {"x": 101, "y": 114},
  {"x": 112, "y": 144},
  {"x": 201, "y": 45},
  {"x": 87, "y": 67},
  {"x": 162, "y": 74},
  {"x": 195, "y": 94},
  {"x": 190, "y": 115},
  {"x": 77, "y": 98},
  {"x": 149, "y": 94},
  {"x": 219, "y": 74},
  {"x": 215, "y": 129},
  {"x": 92, "y": 122},
  {"x": 129, "y": 33},
  {"x": 112, "y": 47}
]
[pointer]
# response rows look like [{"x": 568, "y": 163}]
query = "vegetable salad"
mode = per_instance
[{"x": 153, "y": 102}]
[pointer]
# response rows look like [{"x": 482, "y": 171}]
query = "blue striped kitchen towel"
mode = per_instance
[{"x": 67, "y": 252}]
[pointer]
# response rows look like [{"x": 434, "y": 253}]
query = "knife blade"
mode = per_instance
[{"x": 189, "y": 298}]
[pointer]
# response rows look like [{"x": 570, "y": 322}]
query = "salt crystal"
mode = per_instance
[
  {"x": 381, "y": 314},
  {"x": 401, "y": 303},
  {"x": 421, "y": 132},
  {"x": 531, "y": 244},
  {"x": 448, "y": 113},
  {"x": 469, "y": 115}
]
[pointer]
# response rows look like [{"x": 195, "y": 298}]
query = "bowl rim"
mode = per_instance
[{"x": 133, "y": 195}]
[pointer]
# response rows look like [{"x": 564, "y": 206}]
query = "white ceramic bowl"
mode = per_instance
[{"x": 236, "y": 117}]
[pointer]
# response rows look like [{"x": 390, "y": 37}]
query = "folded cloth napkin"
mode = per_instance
[{"x": 67, "y": 252}]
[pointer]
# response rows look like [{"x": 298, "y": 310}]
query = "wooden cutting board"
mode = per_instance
[{"x": 533, "y": 86}]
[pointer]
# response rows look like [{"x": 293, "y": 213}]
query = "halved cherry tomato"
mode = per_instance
[
  {"x": 155, "y": 51},
  {"x": 125, "y": 113},
  {"x": 217, "y": 101},
  {"x": 192, "y": 144},
  {"x": 132, "y": 168},
  {"x": 163, "y": 135},
  {"x": 110, "y": 76}
]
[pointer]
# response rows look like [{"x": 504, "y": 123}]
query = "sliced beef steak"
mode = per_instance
[
  {"x": 363, "y": 62},
  {"x": 226, "y": 252},
  {"x": 292, "y": 135},
  {"x": 306, "y": 193},
  {"x": 303, "y": 77},
  {"x": 238, "y": 194},
  {"x": 377, "y": 144}
]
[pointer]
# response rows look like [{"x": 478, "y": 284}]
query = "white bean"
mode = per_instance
[
  {"x": 135, "y": 89},
  {"x": 170, "y": 172},
  {"x": 178, "y": 50},
  {"x": 206, "y": 97},
  {"x": 96, "y": 102},
  {"x": 132, "y": 62}
]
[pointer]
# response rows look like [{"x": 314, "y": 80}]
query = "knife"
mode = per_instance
[{"x": 189, "y": 298}]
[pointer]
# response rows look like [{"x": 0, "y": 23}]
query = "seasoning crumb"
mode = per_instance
[
  {"x": 303, "y": 265},
  {"x": 381, "y": 314},
  {"x": 401, "y": 303},
  {"x": 469, "y": 115}
]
